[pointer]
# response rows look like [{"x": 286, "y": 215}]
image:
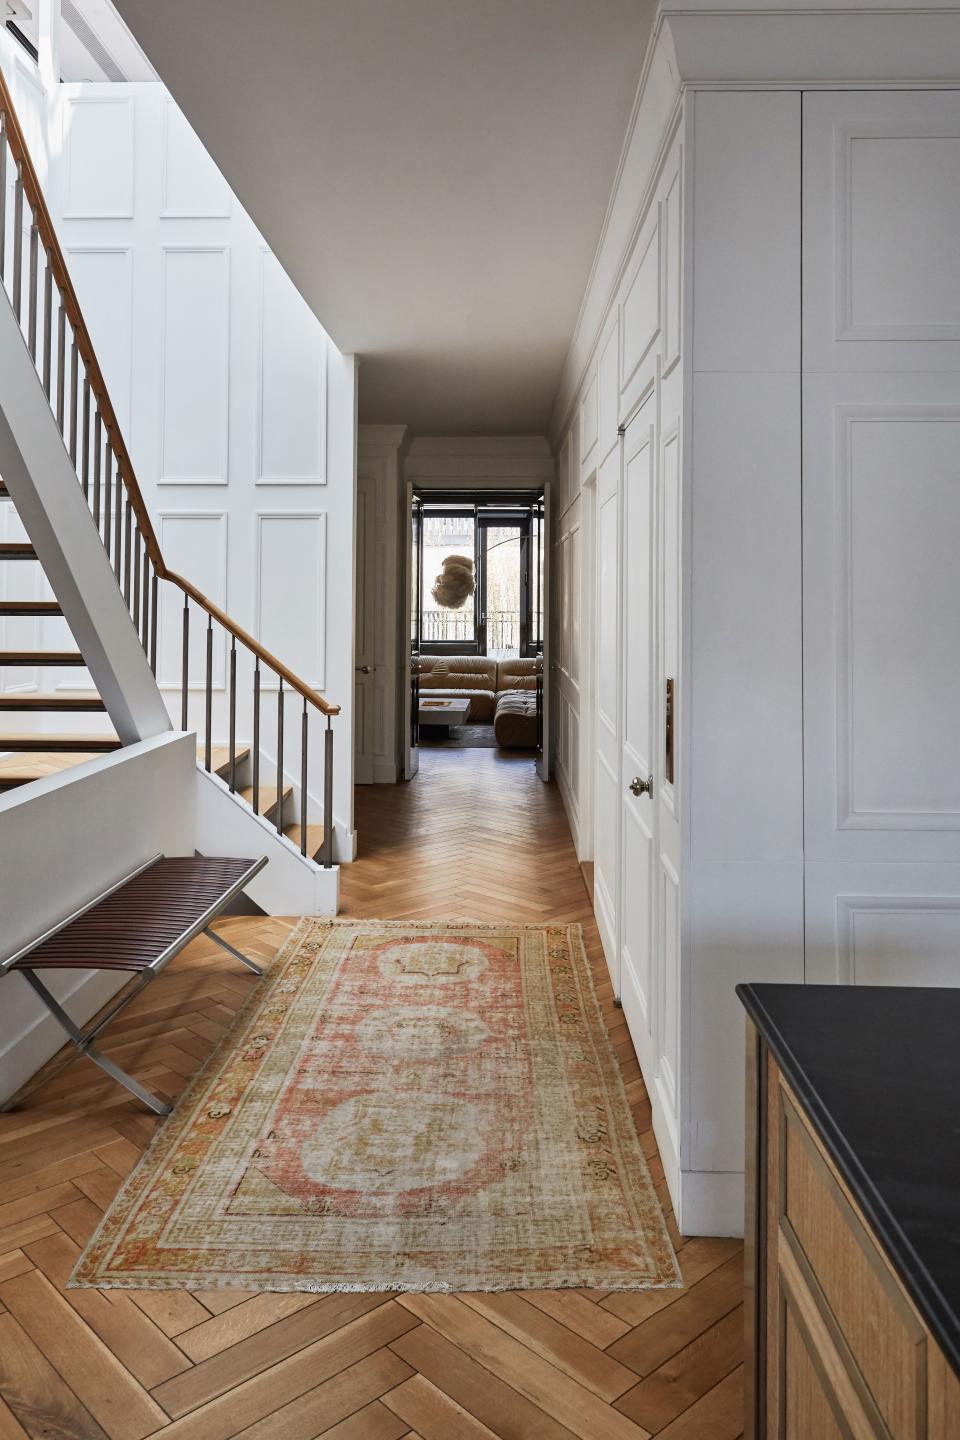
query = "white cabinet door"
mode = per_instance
[
  {"x": 881, "y": 517},
  {"x": 364, "y": 648},
  {"x": 638, "y": 728},
  {"x": 606, "y": 757}
]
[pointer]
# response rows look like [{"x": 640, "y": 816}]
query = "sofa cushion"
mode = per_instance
[
  {"x": 468, "y": 672},
  {"x": 517, "y": 674},
  {"x": 515, "y": 722}
]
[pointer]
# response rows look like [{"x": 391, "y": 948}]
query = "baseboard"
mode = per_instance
[
  {"x": 33, "y": 1047},
  {"x": 384, "y": 772},
  {"x": 711, "y": 1202}
]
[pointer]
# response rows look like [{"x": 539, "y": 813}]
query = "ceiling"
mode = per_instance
[{"x": 433, "y": 174}]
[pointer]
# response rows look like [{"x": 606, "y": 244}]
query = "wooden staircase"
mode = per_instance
[{"x": 32, "y": 755}]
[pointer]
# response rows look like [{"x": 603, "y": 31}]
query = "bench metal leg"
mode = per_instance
[
  {"x": 81, "y": 1039},
  {"x": 225, "y": 945}
]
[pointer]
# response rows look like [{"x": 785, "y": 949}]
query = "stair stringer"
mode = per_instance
[
  {"x": 291, "y": 884},
  {"x": 50, "y": 502}
]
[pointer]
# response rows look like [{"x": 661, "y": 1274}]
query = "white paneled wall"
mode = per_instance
[
  {"x": 775, "y": 313},
  {"x": 237, "y": 410}
]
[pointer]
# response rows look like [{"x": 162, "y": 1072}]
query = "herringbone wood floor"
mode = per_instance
[{"x": 475, "y": 836}]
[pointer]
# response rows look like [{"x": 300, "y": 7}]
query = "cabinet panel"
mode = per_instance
[
  {"x": 806, "y": 1409},
  {"x": 886, "y": 1341}
]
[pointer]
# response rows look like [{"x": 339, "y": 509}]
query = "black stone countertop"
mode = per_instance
[{"x": 877, "y": 1070}]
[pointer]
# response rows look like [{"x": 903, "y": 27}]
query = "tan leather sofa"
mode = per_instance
[
  {"x": 516, "y": 675},
  {"x": 458, "y": 677},
  {"x": 503, "y": 692},
  {"x": 515, "y": 715}
]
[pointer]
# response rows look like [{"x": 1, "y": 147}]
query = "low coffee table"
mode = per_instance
[{"x": 443, "y": 713}]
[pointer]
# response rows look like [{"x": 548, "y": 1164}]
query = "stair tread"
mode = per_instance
[
  {"x": 314, "y": 837},
  {"x": 41, "y": 657},
  {"x": 17, "y": 550},
  {"x": 30, "y": 607},
  {"x": 220, "y": 758},
  {"x": 63, "y": 701},
  {"x": 27, "y": 743},
  {"x": 29, "y": 765},
  {"x": 267, "y": 797}
]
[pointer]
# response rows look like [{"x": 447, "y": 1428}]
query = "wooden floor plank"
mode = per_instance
[
  {"x": 38, "y": 1398},
  {"x": 548, "y": 1387},
  {"x": 323, "y": 1406},
  {"x": 680, "y": 1381},
  {"x": 436, "y": 1416},
  {"x": 94, "y": 1374}
]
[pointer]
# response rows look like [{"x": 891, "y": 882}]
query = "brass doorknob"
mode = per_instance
[{"x": 642, "y": 787}]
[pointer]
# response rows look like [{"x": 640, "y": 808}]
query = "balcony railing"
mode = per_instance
[{"x": 446, "y": 626}]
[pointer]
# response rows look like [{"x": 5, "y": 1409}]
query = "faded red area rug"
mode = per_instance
[{"x": 400, "y": 1106}]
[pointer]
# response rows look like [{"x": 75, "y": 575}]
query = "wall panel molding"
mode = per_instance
[
  {"x": 290, "y": 599},
  {"x": 194, "y": 543},
  {"x": 99, "y": 176},
  {"x": 195, "y": 365},
  {"x": 291, "y": 418}
]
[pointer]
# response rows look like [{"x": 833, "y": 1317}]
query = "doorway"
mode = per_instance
[{"x": 477, "y": 570}]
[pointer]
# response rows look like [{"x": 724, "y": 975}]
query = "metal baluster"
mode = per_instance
[
  {"x": 208, "y": 743},
  {"x": 47, "y": 324},
  {"x": 85, "y": 459},
  {"x": 32, "y": 292},
  {"x": 117, "y": 524},
  {"x": 108, "y": 499},
  {"x": 328, "y": 796},
  {"x": 136, "y": 577},
  {"x": 185, "y": 681},
  {"x": 154, "y": 586},
  {"x": 97, "y": 438},
  {"x": 256, "y": 735},
  {"x": 61, "y": 363},
  {"x": 304, "y": 739},
  {"x": 280, "y": 758},
  {"x": 127, "y": 553},
  {"x": 145, "y": 593},
  {"x": 74, "y": 380},
  {"x": 233, "y": 713},
  {"x": 3, "y": 194},
  {"x": 17, "y": 241}
]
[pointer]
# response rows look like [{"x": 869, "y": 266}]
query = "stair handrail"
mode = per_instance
[{"x": 10, "y": 129}]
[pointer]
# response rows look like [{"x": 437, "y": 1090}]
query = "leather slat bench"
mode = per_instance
[{"x": 138, "y": 925}]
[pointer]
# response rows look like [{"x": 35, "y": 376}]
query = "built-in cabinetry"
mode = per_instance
[
  {"x": 845, "y": 1335},
  {"x": 756, "y": 500}
]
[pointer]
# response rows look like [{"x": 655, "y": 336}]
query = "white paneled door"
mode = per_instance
[
  {"x": 364, "y": 655},
  {"x": 881, "y": 519},
  {"x": 638, "y": 784},
  {"x": 606, "y": 759}
]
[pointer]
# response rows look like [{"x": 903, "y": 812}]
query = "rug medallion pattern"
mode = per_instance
[{"x": 399, "y": 1106}]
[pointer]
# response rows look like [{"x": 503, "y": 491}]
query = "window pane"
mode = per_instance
[
  {"x": 503, "y": 592},
  {"x": 445, "y": 536}
]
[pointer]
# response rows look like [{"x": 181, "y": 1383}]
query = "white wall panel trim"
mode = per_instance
[
  {"x": 117, "y": 169},
  {"x": 311, "y": 666},
  {"x": 170, "y": 636},
  {"x": 218, "y": 404},
  {"x": 317, "y": 474},
  {"x": 846, "y": 135},
  {"x": 852, "y": 814}
]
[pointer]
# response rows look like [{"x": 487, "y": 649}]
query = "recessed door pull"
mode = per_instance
[{"x": 642, "y": 787}]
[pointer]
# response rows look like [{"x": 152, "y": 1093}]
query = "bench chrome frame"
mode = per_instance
[{"x": 83, "y": 1039}]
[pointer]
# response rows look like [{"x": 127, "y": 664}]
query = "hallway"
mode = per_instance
[{"x": 475, "y": 835}]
